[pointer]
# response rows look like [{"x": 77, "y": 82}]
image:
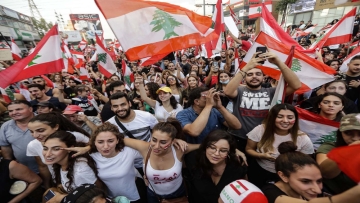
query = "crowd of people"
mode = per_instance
[{"x": 184, "y": 129}]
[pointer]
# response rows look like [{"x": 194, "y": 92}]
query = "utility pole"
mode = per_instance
[
  {"x": 34, "y": 10},
  {"x": 204, "y": 6}
]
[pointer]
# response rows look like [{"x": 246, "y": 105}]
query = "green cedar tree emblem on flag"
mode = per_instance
[
  {"x": 296, "y": 66},
  {"x": 102, "y": 57},
  {"x": 327, "y": 138},
  {"x": 162, "y": 20},
  {"x": 32, "y": 61},
  {"x": 2, "y": 45}
]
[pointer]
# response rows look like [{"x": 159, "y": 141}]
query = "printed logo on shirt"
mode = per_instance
[
  {"x": 158, "y": 180},
  {"x": 255, "y": 104}
]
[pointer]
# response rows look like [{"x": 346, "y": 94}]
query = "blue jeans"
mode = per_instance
[{"x": 153, "y": 198}]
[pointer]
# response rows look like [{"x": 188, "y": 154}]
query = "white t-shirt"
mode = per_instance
[
  {"x": 161, "y": 114},
  {"x": 118, "y": 173},
  {"x": 35, "y": 148},
  {"x": 303, "y": 143},
  {"x": 82, "y": 174},
  {"x": 140, "y": 128}
]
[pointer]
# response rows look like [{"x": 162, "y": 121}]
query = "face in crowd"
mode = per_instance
[{"x": 254, "y": 78}]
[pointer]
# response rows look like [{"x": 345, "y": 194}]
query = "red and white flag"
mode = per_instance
[
  {"x": 269, "y": 26},
  {"x": 311, "y": 72},
  {"x": 46, "y": 58},
  {"x": 339, "y": 33},
  {"x": 84, "y": 74},
  {"x": 318, "y": 128},
  {"x": 300, "y": 33},
  {"x": 235, "y": 18},
  {"x": 105, "y": 62},
  {"x": 5, "y": 95},
  {"x": 153, "y": 59},
  {"x": 155, "y": 36},
  {"x": 344, "y": 67},
  {"x": 255, "y": 10},
  {"x": 15, "y": 51},
  {"x": 126, "y": 72},
  {"x": 82, "y": 44},
  {"x": 79, "y": 58}
]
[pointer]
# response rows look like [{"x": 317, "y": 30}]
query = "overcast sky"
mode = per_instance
[{"x": 47, "y": 9}]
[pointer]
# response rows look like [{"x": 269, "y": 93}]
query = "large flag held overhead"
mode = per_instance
[
  {"x": 255, "y": 10},
  {"x": 46, "y": 58},
  {"x": 318, "y": 128},
  {"x": 154, "y": 28},
  {"x": 311, "y": 72},
  {"x": 105, "y": 62},
  {"x": 15, "y": 51},
  {"x": 214, "y": 46},
  {"x": 344, "y": 67}
]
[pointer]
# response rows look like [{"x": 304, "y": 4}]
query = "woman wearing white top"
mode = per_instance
[
  {"x": 41, "y": 127},
  {"x": 165, "y": 106},
  {"x": 280, "y": 125},
  {"x": 163, "y": 170},
  {"x": 70, "y": 172},
  {"x": 115, "y": 162}
]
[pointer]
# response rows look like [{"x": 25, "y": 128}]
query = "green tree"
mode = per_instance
[
  {"x": 162, "y": 20},
  {"x": 41, "y": 26},
  {"x": 281, "y": 5},
  {"x": 296, "y": 66}
]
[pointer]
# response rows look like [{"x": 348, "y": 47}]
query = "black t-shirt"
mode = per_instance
[
  {"x": 49, "y": 93},
  {"x": 272, "y": 192},
  {"x": 54, "y": 100},
  {"x": 70, "y": 92},
  {"x": 5, "y": 181},
  {"x": 185, "y": 67},
  {"x": 106, "y": 112},
  {"x": 349, "y": 106},
  {"x": 85, "y": 104},
  {"x": 353, "y": 93}
]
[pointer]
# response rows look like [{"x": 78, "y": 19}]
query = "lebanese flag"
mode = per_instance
[
  {"x": 15, "y": 51},
  {"x": 84, "y": 74},
  {"x": 311, "y": 72},
  {"x": 215, "y": 46},
  {"x": 318, "y": 128},
  {"x": 300, "y": 33},
  {"x": 234, "y": 17},
  {"x": 106, "y": 64},
  {"x": 126, "y": 72},
  {"x": 256, "y": 10},
  {"x": 153, "y": 59},
  {"x": 79, "y": 58},
  {"x": 82, "y": 44},
  {"x": 269, "y": 26},
  {"x": 182, "y": 29},
  {"x": 49, "y": 83},
  {"x": 234, "y": 2},
  {"x": 3, "y": 45},
  {"x": 339, "y": 33},
  {"x": 117, "y": 44},
  {"x": 46, "y": 58},
  {"x": 348, "y": 160},
  {"x": 5, "y": 95},
  {"x": 344, "y": 67}
]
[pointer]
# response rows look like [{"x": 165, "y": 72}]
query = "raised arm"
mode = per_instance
[
  {"x": 143, "y": 95},
  {"x": 61, "y": 95},
  {"x": 329, "y": 168},
  {"x": 230, "y": 120},
  {"x": 138, "y": 145}
]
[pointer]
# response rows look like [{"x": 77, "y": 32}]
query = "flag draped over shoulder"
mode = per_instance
[
  {"x": 154, "y": 28},
  {"x": 311, "y": 72},
  {"x": 318, "y": 128},
  {"x": 46, "y": 58}
]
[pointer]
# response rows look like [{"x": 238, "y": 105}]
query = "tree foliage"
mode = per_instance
[
  {"x": 41, "y": 26},
  {"x": 282, "y": 5}
]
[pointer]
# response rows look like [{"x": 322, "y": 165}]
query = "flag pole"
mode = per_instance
[{"x": 226, "y": 46}]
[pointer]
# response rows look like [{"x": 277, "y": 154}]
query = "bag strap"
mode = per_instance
[
  {"x": 146, "y": 163},
  {"x": 128, "y": 133}
]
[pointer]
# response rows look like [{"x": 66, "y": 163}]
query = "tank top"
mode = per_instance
[
  {"x": 5, "y": 181},
  {"x": 165, "y": 181}
]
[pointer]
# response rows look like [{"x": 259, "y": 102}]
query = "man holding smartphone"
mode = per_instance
[{"x": 252, "y": 102}]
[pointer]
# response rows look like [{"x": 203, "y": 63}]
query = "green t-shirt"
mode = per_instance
[{"x": 341, "y": 182}]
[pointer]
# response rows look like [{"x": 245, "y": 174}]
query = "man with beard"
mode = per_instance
[
  {"x": 37, "y": 91},
  {"x": 353, "y": 80},
  {"x": 252, "y": 102},
  {"x": 136, "y": 124}
]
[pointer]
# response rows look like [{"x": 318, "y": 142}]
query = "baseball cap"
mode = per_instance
[
  {"x": 350, "y": 122},
  {"x": 71, "y": 109},
  {"x": 242, "y": 191},
  {"x": 164, "y": 89}
]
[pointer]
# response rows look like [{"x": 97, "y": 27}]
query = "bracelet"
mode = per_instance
[{"x": 242, "y": 73}]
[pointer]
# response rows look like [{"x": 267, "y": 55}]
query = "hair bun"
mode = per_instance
[{"x": 286, "y": 147}]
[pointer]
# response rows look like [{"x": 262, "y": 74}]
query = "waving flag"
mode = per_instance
[
  {"x": 311, "y": 72},
  {"x": 318, "y": 128},
  {"x": 153, "y": 28},
  {"x": 5, "y": 95},
  {"x": 255, "y": 10},
  {"x": 126, "y": 72},
  {"x": 214, "y": 46},
  {"x": 339, "y": 33},
  {"x": 78, "y": 58},
  {"x": 348, "y": 160},
  {"x": 344, "y": 68},
  {"x": 153, "y": 59},
  {"x": 269, "y": 26},
  {"x": 15, "y": 51},
  {"x": 235, "y": 18},
  {"x": 82, "y": 44},
  {"x": 106, "y": 64},
  {"x": 46, "y": 58}
]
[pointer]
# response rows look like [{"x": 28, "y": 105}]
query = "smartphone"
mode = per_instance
[
  {"x": 262, "y": 50},
  {"x": 50, "y": 194}
]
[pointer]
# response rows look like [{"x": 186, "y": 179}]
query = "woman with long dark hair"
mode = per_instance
[
  {"x": 280, "y": 125},
  {"x": 301, "y": 180},
  {"x": 173, "y": 83},
  {"x": 335, "y": 180},
  {"x": 330, "y": 106},
  {"x": 165, "y": 104},
  {"x": 150, "y": 89},
  {"x": 69, "y": 172},
  {"x": 41, "y": 127},
  {"x": 223, "y": 79},
  {"x": 216, "y": 166},
  {"x": 192, "y": 82}
]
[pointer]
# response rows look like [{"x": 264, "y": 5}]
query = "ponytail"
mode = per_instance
[{"x": 171, "y": 126}]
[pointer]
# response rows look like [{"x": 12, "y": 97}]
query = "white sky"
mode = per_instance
[{"x": 47, "y": 9}]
